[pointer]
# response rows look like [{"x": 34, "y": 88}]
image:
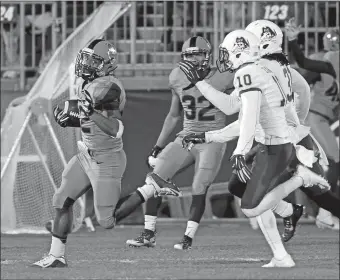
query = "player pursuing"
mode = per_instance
[
  {"x": 199, "y": 116},
  {"x": 271, "y": 49},
  {"x": 239, "y": 52},
  {"x": 325, "y": 99},
  {"x": 101, "y": 160}
]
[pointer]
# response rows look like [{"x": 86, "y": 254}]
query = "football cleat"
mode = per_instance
[
  {"x": 310, "y": 178},
  {"x": 291, "y": 221},
  {"x": 147, "y": 238},
  {"x": 185, "y": 244},
  {"x": 330, "y": 223},
  {"x": 162, "y": 187},
  {"x": 287, "y": 261},
  {"x": 51, "y": 261}
]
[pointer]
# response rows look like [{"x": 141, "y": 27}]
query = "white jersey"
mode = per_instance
[{"x": 274, "y": 85}]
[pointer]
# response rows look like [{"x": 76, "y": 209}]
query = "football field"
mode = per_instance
[{"x": 221, "y": 250}]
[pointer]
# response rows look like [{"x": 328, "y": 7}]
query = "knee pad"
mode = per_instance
[
  {"x": 62, "y": 202},
  {"x": 105, "y": 216},
  {"x": 107, "y": 223}
]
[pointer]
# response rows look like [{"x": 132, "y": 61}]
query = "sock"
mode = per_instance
[
  {"x": 57, "y": 247},
  {"x": 197, "y": 207},
  {"x": 267, "y": 223},
  {"x": 191, "y": 229},
  {"x": 150, "y": 222},
  {"x": 147, "y": 191},
  {"x": 283, "y": 209},
  {"x": 152, "y": 206},
  {"x": 127, "y": 205}
]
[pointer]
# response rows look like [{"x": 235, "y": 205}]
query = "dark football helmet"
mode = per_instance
[
  {"x": 97, "y": 60},
  {"x": 197, "y": 45}
]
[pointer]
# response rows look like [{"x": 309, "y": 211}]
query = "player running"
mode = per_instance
[
  {"x": 101, "y": 160},
  {"x": 199, "y": 116},
  {"x": 325, "y": 99},
  {"x": 271, "y": 50},
  {"x": 239, "y": 50}
]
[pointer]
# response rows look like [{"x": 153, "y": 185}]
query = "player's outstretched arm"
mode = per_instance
[
  {"x": 171, "y": 120},
  {"x": 228, "y": 133},
  {"x": 228, "y": 104},
  {"x": 317, "y": 66}
]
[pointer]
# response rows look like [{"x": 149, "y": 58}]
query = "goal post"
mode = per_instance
[{"x": 34, "y": 149}]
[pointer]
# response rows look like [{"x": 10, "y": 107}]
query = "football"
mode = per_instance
[{"x": 70, "y": 107}]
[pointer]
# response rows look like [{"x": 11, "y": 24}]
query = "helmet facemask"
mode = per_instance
[
  {"x": 223, "y": 62},
  {"x": 331, "y": 40},
  {"x": 90, "y": 65},
  {"x": 189, "y": 54}
]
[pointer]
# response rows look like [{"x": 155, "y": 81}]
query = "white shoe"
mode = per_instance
[
  {"x": 51, "y": 261},
  {"x": 310, "y": 178},
  {"x": 287, "y": 261},
  {"x": 327, "y": 222}
]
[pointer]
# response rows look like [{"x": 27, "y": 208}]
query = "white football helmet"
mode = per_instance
[
  {"x": 238, "y": 47},
  {"x": 270, "y": 36}
]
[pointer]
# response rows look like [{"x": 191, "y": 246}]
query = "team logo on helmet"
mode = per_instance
[
  {"x": 267, "y": 33},
  {"x": 240, "y": 44}
]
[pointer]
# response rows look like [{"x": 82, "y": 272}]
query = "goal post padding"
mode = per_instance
[{"x": 35, "y": 166}]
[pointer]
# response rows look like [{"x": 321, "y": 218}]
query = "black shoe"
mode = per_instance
[
  {"x": 185, "y": 244},
  {"x": 162, "y": 187},
  {"x": 291, "y": 221},
  {"x": 147, "y": 238}
]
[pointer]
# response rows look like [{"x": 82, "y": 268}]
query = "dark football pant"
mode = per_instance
[
  {"x": 322, "y": 197},
  {"x": 269, "y": 163}
]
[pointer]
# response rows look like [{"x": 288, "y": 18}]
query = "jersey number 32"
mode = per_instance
[{"x": 189, "y": 102}]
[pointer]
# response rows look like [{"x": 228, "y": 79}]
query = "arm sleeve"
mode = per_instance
[
  {"x": 302, "y": 95},
  {"x": 317, "y": 66},
  {"x": 228, "y": 133},
  {"x": 228, "y": 104},
  {"x": 251, "y": 102}
]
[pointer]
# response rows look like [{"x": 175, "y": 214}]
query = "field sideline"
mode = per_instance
[{"x": 221, "y": 250}]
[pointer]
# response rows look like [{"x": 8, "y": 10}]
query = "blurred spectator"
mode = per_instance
[
  {"x": 187, "y": 14},
  {"x": 35, "y": 28},
  {"x": 10, "y": 33}
]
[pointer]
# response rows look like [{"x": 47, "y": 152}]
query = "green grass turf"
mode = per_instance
[{"x": 229, "y": 250}]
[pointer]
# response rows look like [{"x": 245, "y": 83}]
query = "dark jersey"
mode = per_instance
[
  {"x": 199, "y": 114},
  {"x": 108, "y": 94}
]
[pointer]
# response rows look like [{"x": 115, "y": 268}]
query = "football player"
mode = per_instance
[
  {"x": 271, "y": 49},
  {"x": 199, "y": 116},
  {"x": 325, "y": 99},
  {"x": 239, "y": 52},
  {"x": 101, "y": 160}
]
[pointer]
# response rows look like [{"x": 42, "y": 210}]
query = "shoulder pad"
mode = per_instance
[
  {"x": 177, "y": 79},
  {"x": 104, "y": 90}
]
